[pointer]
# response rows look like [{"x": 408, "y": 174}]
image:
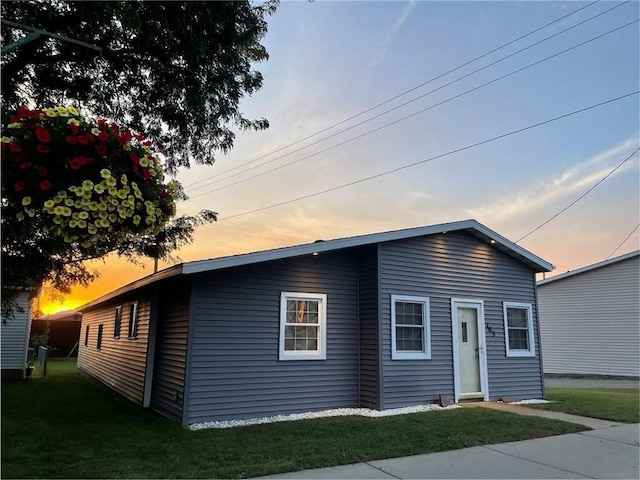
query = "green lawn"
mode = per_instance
[
  {"x": 68, "y": 426},
  {"x": 617, "y": 404}
]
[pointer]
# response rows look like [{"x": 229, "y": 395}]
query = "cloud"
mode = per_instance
[
  {"x": 391, "y": 32},
  {"x": 574, "y": 179}
]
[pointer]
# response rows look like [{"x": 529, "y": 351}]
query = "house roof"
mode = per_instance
[
  {"x": 589, "y": 268},
  {"x": 199, "y": 266}
]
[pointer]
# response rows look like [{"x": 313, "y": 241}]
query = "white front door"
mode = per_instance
[{"x": 469, "y": 351}]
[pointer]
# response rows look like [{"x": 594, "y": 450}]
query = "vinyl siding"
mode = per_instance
[
  {"x": 590, "y": 322},
  {"x": 368, "y": 305},
  {"x": 14, "y": 336},
  {"x": 234, "y": 368},
  {"x": 120, "y": 363},
  {"x": 442, "y": 267},
  {"x": 167, "y": 393}
]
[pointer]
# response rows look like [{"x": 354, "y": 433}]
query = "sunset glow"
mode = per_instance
[{"x": 330, "y": 61}]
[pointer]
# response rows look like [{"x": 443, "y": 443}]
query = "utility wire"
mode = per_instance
[
  {"x": 451, "y": 152},
  {"x": 406, "y": 91},
  {"x": 623, "y": 242},
  {"x": 402, "y": 104},
  {"x": 410, "y": 115},
  {"x": 580, "y": 197}
]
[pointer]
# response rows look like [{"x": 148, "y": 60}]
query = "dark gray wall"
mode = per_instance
[
  {"x": 121, "y": 362},
  {"x": 441, "y": 267},
  {"x": 167, "y": 391},
  {"x": 368, "y": 302},
  {"x": 234, "y": 368}
]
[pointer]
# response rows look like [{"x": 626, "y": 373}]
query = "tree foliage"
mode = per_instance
[
  {"x": 173, "y": 70},
  {"x": 74, "y": 189}
]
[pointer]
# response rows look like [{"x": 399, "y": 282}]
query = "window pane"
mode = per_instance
[
  {"x": 518, "y": 339},
  {"x": 313, "y": 307},
  {"x": 312, "y": 344},
  {"x": 301, "y": 344},
  {"x": 409, "y": 339},
  {"x": 517, "y": 317},
  {"x": 410, "y": 313},
  {"x": 288, "y": 344}
]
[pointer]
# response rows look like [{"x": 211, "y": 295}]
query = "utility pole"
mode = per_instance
[{"x": 37, "y": 33}]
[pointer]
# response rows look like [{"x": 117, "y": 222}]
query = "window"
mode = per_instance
[
  {"x": 133, "y": 320},
  {"x": 410, "y": 328},
  {"x": 303, "y": 318},
  {"x": 117, "y": 324},
  {"x": 518, "y": 329},
  {"x": 86, "y": 336},
  {"x": 99, "y": 342}
]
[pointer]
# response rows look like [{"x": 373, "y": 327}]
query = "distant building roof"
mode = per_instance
[
  {"x": 590, "y": 267},
  {"x": 69, "y": 315}
]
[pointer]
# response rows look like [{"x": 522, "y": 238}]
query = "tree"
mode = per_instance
[
  {"x": 75, "y": 188},
  {"x": 173, "y": 70}
]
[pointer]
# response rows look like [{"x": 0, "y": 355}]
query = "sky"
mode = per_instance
[{"x": 334, "y": 94}]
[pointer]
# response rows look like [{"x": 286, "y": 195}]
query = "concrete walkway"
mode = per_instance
[
  {"x": 610, "y": 450},
  {"x": 593, "y": 423}
]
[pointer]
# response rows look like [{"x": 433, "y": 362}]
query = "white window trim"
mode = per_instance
[
  {"x": 531, "y": 352},
  {"x": 321, "y": 352},
  {"x": 426, "y": 331}
]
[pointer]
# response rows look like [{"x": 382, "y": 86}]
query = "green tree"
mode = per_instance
[{"x": 174, "y": 71}]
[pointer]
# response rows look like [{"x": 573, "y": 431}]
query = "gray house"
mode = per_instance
[
  {"x": 381, "y": 321},
  {"x": 590, "y": 319}
]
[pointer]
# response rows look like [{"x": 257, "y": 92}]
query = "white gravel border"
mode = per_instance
[
  {"x": 531, "y": 401},
  {"x": 338, "y": 412}
]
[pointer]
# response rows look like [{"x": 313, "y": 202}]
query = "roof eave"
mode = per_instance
[{"x": 149, "y": 279}]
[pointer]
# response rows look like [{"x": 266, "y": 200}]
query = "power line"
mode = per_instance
[
  {"x": 407, "y": 116},
  {"x": 408, "y": 91},
  {"x": 580, "y": 197},
  {"x": 623, "y": 242},
  {"x": 451, "y": 152}
]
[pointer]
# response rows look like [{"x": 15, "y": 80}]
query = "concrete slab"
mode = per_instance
[
  {"x": 475, "y": 462},
  {"x": 629, "y": 434},
  {"x": 356, "y": 471},
  {"x": 584, "y": 454},
  {"x": 594, "y": 423}
]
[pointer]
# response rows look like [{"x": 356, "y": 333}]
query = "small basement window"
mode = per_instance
[
  {"x": 518, "y": 329},
  {"x": 303, "y": 318},
  {"x": 410, "y": 328},
  {"x": 133, "y": 320}
]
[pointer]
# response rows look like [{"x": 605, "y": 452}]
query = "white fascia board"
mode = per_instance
[
  {"x": 341, "y": 243},
  {"x": 590, "y": 267},
  {"x": 542, "y": 265},
  {"x": 200, "y": 266}
]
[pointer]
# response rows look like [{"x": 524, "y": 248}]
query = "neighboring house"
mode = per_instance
[
  {"x": 590, "y": 319},
  {"x": 63, "y": 330},
  {"x": 381, "y": 321},
  {"x": 14, "y": 337}
]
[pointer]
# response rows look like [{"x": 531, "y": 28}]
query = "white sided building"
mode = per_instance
[{"x": 590, "y": 319}]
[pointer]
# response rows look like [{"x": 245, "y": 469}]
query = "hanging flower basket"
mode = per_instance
[{"x": 81, "y": 179}]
